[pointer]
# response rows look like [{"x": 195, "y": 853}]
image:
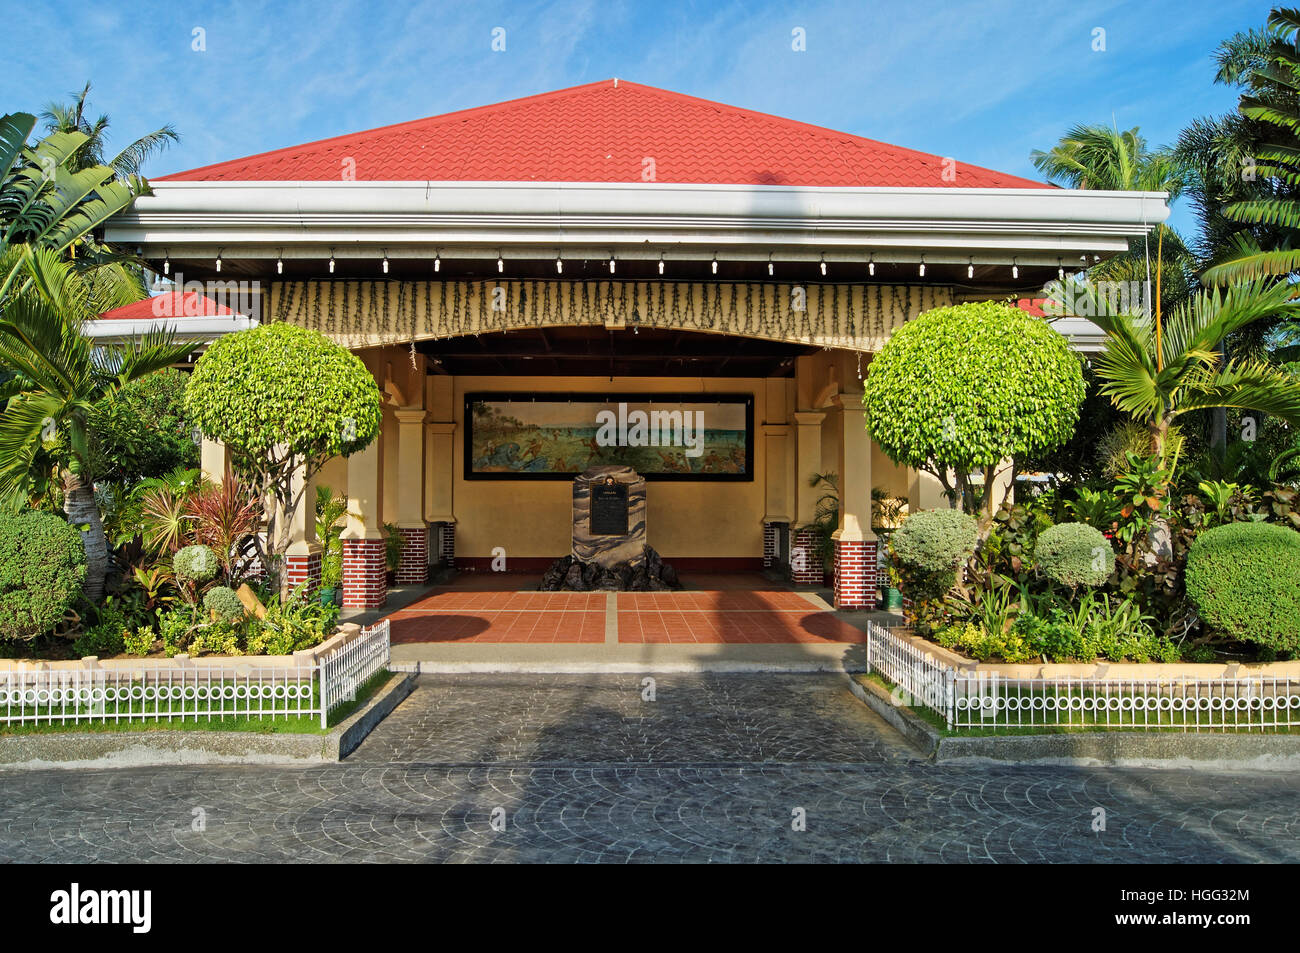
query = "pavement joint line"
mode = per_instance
[{"x": 611, "y": 618}]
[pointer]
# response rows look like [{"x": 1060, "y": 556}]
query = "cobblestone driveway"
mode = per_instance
[{"x": 582, "y": 769}]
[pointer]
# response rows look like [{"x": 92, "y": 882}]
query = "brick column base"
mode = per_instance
[
  {"x": 447, "y": 544},
  {"x": 805, "y": 562},
  {"x": 855, "y": 574},
  {"x": 303, "y": 569},
  {"x": 414, "y": 568},
  {"x": 769, "y": 545},
  {"x": 365, "y": 583}
]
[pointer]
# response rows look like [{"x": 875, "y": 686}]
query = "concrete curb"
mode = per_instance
[
  {"x": 344, "y": 738},
  {"x": 917, "y": 733},
  {"x": 1147, "y": 749},
  {"x": 560, "y": 667},
  {"x": 122, "y": 749}
]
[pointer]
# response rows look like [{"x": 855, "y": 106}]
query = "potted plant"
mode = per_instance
[
  {"x": 394, "y": 543},
  {"x": 330, "y": 510},
  {"x": 331, "y": 578}
]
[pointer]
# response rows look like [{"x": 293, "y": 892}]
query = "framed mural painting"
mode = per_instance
[{"x": 514, "y": 436}]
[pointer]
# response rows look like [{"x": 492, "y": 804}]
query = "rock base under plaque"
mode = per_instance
[{"x": 569, "y": 574}]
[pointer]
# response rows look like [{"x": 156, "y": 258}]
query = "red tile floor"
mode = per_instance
[{"x": 717, "y": 608}]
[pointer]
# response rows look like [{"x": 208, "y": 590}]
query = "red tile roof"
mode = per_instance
[
  {"x": 171, "y": 304},
  {"x": 1033, "y": 305},
  {"x": 602, "y": 132}
]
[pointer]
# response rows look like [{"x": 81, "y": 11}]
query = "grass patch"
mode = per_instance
[{"x": 278, "y": 725}]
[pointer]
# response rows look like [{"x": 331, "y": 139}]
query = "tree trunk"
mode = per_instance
[
  {"x": 1159, "y": 428},
  {"x": 1160, "y": 537},
  {"x": 83, "y": 514}
]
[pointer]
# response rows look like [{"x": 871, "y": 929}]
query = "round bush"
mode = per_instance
[
  {"x": 222, "y": 601},
  {"x": 196, "y": 564},
  {"x": 935, "y": 540},
  {"x": 1244, "y": 579},
  {"x": 970, "y": 385},
  {"x": 42, "y": 568},
  {"x": 281, "y": 384},
  {"x": 1074, "y": 554}
]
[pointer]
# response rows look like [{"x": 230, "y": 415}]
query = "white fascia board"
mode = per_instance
[
  {"x": 257, "y": 215},
  {"x": 1082, "y": 334},
  {"x": 185, "y": 329}
]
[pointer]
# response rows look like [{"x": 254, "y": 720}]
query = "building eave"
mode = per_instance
[{"x": 746, "y": 222}]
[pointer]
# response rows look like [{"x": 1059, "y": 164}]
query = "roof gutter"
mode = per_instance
[{"x": 256, "y": 218}]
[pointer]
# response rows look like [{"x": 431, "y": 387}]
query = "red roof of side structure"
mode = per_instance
[
  {"x": 171, "y": 304},
  {"x": 611, "y": 131}
]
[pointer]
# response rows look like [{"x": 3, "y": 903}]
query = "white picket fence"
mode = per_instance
[
  {"x": 968, "y": 700},
  {"x": 160, "y": 691},
  {"x": 344, "y": 671}
]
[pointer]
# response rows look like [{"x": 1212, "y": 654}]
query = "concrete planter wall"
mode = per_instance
[
  {"x": 251, "y": 666},
  {"x": 1101, "y": 671}
]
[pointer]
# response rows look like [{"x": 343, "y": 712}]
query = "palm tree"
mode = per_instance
[
  {"x": 1157, "y": 371},
  {"x": 46, "y": 204},
  {"x": 1264, "y": 204},
  {"x": 71, "y": 117},
  {"x": 58, "y": 375},
  {"x": 1104, "y": 158},
  {"x": 119, "y": 274}
]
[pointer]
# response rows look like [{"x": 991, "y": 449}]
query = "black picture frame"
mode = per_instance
[{"x": 613, "y": 398}]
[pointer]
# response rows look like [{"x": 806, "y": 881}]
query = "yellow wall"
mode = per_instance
[{"x": 534, "y": 518}]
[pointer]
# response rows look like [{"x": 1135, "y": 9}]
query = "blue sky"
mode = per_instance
[{"x": 983, "y": 82}]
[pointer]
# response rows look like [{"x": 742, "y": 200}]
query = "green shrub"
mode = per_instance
[
  {"x": 195, "y": 564},
  {"x": 219, "y": 638},
  {"x": 140, "y": 642},
  {"x": 1244, "y": 579},
  {"x": 1074, "y": 554},
  {"x": 928, "y": 549},
  {"x": 222, "y": 602},
  {"x": 331, "y": 570},
  {"x": 981, "y": 644},
  {"x": 394, "y": 544},
  {"x": 42, "y": 568},
  {"x": 964, "y": 387},
  {"x": 105, "y": 639},
  {"x": 175, "y": 625},
  {"x": 935, "y": 540}
]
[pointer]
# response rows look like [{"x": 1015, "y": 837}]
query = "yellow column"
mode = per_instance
[
  {"x": 302, "y": 558},
  {"x": 854, "y": 471},
  {"x": 776, "y": 442},
  {"x": 808, "y": 450},
  {"x": 440, "y": 464},
  {"x": 410, "y": 495},
  {"x": 365, "y": 493},
  {"x": 439, "y": 452},
  {"x": 855, "y": 584},
  {"x": 213, "y": 460},
  {"x": 925, "y": 492},
  {"x": 364, "y": 569}
]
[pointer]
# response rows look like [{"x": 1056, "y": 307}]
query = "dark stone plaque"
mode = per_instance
[{"x": 609, "y": 509}]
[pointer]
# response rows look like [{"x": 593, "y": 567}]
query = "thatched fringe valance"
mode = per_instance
[{"x": 361, "y": 313}]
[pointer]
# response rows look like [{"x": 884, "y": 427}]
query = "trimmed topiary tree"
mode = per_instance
[
  {"x": 1074, "y": 554},
  {"x": 935, "y": 540},
  {"x": 222, "y": 602},
  {"x": 42, "y": 569},
  {"x": 282, "y": 398},
  {"x": 1244, "y": 579},
  {"x": 963, "y": 388},
  {"x": 929, "y": 549},
  {"x": 194, "y": 565}
]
